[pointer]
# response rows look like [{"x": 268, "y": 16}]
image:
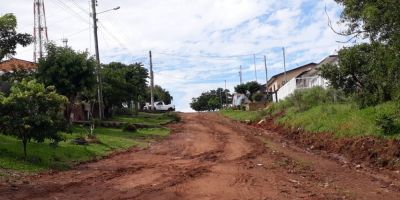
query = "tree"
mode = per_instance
[
  {"x": 377, "y": 20},
  {"x": 370, "y": 71},
  {"x": 160, "y": 94},
  {"x": 248, "y": 89},
  {"x": 210, "y": 100},
  {"x": 9, "y": 38},
  {"x": 123, "y": 84},
  {"x": 69, "y": 71},
  {"x": 31, "y": 112}
]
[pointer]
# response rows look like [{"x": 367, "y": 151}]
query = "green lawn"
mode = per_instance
[
  {"x": 42, "y": 156},
  {"x": 147, "y": 118}
]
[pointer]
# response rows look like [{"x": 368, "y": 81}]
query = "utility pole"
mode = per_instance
[
  {"x": 96, "y": 46},
  {"x": 266, "y": 70},
  {"x": 240, "y": 75},
  {"x": 226, "y": 95},
  {"x": 151, "y": 82},
  {"x": 284, "y": 64},
  {"x": 255, "y": 67},
  {"x": 65, "y": 42}
]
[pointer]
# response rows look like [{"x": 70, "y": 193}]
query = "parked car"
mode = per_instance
[{"x": 160, "y": 106}]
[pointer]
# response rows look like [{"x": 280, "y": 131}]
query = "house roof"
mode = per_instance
[
  {"x": 271, "y": 80},
  {"x": 16, "y": 64},
  {"x": 328, "y": 60}
]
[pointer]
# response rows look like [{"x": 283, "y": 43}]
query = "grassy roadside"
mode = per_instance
[
  {"x": 43, "y": 156},
  {"x": 148, "y": 118},
  {"x": 315, "y": 111}
]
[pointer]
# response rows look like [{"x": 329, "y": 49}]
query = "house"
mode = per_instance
[
  {"x": 307, "y": 79},
  {"x": 277, "y": 81},
  {"x": 13, "y": 64}
]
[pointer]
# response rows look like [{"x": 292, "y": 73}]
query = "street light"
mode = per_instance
[
  {"x": 96, "y": 45},
  {"x": 116, "y": 8}
]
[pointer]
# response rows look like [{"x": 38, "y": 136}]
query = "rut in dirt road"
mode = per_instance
[{"x": 210, "y": 157}]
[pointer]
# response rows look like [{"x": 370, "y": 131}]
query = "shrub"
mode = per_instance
[
  {"x": 130, "y": 128},
  {"x": 303, "y": 100},
  {"x": 257, "y": 97},
  {"x": 387, "y": 123}
]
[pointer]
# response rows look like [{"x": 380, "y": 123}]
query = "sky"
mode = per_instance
[{"x": 197, "y": 45}]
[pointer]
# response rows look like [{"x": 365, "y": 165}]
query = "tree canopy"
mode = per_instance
[
  {"x": 210, "y": 100},
  {"x": 160, "y": 94},
  {"x": 369, "y": 71},
  {"x": 123, "y": 84},
  {"x": 9, "y": 38},
  {"x": 32, "y": 112},
  {"x": 248, "y": 89}
]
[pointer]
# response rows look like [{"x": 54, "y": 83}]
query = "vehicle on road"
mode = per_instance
[{"x": 160, "y": 106}]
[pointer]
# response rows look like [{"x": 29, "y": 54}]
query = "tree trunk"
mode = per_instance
[{"x": 24, "y": 142}]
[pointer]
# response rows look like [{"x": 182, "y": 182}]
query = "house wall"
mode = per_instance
[
  {"x": 280, "y": 80},
  {"x": 287, "y": 89}
]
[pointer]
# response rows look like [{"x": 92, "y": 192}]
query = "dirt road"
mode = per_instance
[{"x": 210, "y": 157}]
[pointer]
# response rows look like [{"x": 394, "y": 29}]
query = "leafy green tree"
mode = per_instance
[
  {"x": 32, "y": 112},
  {"x": 214, "y": 103},
  {"x": 210, "y": 100},
  {"x": 69, "y": 71},
  {"x": 377, "y": 20},
  {"x": 123, "y": 84},
  {"x": 160, "y": 94},
  {"x": 369, "y": 72},
  {"x": 248, "y": 89},
  {"x": 9, "y": 38}
]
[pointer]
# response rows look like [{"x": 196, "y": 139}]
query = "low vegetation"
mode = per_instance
[
  {"x": 318, "y": 110},
  {"x": 66, "y": 153},
  {"x": 148, "y": 118}
]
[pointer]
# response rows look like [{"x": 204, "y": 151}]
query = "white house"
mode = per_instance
[{"x": 308, "y": 79}]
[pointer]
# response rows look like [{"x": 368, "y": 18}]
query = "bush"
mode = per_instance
[
  {"x": 130, "y": 128},
  {"x": 257, "y": 97},
  {"x": 303, "y": 100},
  {"x": 388, "y": 124}
]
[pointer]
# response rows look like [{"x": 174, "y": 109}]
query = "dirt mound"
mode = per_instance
[{"x": 371, "y": 151}]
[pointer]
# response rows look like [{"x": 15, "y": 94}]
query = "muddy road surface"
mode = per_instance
[{"x": 211, "y": 157}]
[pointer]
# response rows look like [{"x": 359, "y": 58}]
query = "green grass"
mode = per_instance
[
  {"x": 146, "y": 118},
  {"x": 239, "y": 115},
  {"x": 340, "y": 119},
  {"x": 42, "y": 156}
]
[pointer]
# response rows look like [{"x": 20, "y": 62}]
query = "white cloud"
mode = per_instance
[{"x": 193, "y": 40}]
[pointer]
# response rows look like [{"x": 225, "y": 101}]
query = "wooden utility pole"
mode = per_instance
[
  {"x": 226, "y": 95},
  {"x": 284, "y": 64},
  {"x": 255, "y": 67},
  {"x": 266, "y": 70},
  {"x": 151, "y": 82},
  {"x": 96, "y": 45}
]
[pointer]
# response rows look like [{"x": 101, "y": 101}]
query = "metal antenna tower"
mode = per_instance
[{"x": 40, "y": 37}]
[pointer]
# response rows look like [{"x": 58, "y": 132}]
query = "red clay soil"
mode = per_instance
[
  {"x": 211, "y": 157},
  {"x": 366, "y": 150}
]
